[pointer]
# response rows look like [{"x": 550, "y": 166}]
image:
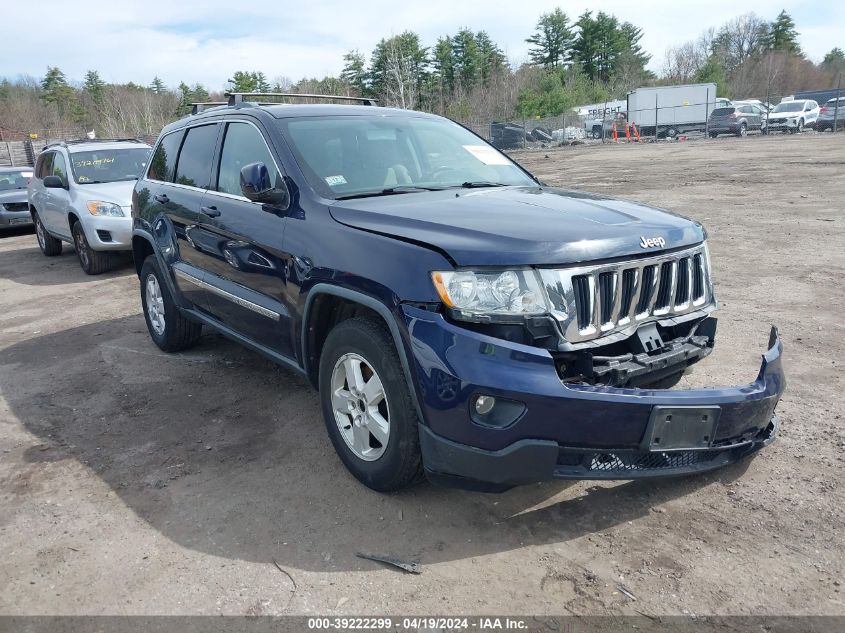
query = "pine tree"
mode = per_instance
[
  {"x": 783, "y": 36},
  {"x": 551, "y": 44},
  {"x": 354, "y": 71},
  {"x": 157, "y": 86}
]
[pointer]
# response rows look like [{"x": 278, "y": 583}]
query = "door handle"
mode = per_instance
[
  {"x": 161, "y": 198},
  {"x": 211, "y": 212}
]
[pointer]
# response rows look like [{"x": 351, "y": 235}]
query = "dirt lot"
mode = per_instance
[{"x": 136, "y": 482}]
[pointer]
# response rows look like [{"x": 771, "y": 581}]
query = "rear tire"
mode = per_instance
[
  {"x": 48, "y": 244},
  {"x": 92, "y": 262},
  {"x": 171, "y": 331},
  {"x": 371, "y": 418},
  {"x": 743, "y": 130}
]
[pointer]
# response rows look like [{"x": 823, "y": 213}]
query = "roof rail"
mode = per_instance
[
  {"x": 238, "y": 97},
  {"x": 78, "y": 141}
]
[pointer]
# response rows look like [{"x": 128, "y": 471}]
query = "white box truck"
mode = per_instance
[{"x": 672, "y": 110}]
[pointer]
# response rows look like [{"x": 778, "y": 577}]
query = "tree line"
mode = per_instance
[{"x": 464, "y": 75}]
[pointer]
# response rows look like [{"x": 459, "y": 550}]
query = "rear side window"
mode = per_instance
[
  {"x": 163, "y": 162},
  {"x": 196, "y": 157},
  {"x": 243, "y": 145}
]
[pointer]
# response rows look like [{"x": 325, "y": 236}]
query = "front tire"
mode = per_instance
[
  {"x": 171, "y": 331},
  {"x": 367, "y": 406},
  {"x": 48, "y": 244},
  {"x": 92, "y": 262}
]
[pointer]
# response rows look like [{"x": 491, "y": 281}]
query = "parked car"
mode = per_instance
[
  {"x": 460, "y": 319},
  {"x": 735, "y": 119},
  {"x": 792, "y": 116},
  {"x": 762, "y": 106},
  {"x": 81, "y": 193},
  {"x": 14, "y": 210},
  {"x": 828, "y": 112},
  {"x": 507, "y": 135}
]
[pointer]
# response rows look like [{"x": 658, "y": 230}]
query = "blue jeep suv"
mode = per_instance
[{"x": 461, "y": 320}]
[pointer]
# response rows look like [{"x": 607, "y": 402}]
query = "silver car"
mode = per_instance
[
  {"x": 81, "y": 192},
  {"x": 14, "y": 210},
  {"x": 831, "y": 113}
]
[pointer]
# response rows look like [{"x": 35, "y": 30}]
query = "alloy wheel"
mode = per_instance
[
  {"x": 360, "y": 407},
  {"x": 39, "y": 234},
  {"x": 81, "y": 248},
  {"x": 155, "y": 304}
]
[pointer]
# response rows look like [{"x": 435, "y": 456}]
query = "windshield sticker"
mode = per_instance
[
  {"x": 486, "y": 155},
  {"x": 93, "y": 163},
  {"x": 334, "y": 181}
]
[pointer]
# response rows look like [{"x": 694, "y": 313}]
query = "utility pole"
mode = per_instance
[
  {"x": 655, "y": 117},
  {"x": 836, "y": 105},
  {"x": 707, "y": 115}
]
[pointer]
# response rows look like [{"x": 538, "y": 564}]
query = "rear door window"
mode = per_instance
[
  {"x": 163, "y": 162},
  {"x": 196, "y": 156}
]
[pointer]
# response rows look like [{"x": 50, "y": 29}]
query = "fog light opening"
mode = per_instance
[{"x": 484, "y": 404}]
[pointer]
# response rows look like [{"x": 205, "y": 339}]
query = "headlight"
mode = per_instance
[
  {"x": 95, "y": 207},
  {"x": 504, "y": 293}
]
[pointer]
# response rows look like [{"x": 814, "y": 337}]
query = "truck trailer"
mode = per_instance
[{"x": 667, "y": 111}]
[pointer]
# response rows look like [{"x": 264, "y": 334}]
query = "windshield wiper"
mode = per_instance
[
  {"x": 475, "y": 184},
  {"x": 389, "y": 191}
]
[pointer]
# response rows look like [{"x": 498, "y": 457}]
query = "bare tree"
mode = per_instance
[{"x": 401, "y": 77}]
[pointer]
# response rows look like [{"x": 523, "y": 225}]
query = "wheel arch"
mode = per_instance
[{"x": 327, "y": 305}]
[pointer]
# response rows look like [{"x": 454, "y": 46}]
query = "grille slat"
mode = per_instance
[
  {"x": 629, "y": 280},
  {"x": 698, "y": 277},
  {"x": 583, "y": 300},
  {"x": 607, "y": 291},
  {"x": 682, "y": 289},
  {"x": 646, "y": 289},
  {"x": 664, "y": 287}
]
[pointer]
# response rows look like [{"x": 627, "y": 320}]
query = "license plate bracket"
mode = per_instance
[
  {"x": 19, "y": 221},
  {"x": 680, "y": 428}
]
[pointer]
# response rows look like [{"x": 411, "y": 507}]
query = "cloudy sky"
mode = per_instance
[{"x": 207, "y": 40}]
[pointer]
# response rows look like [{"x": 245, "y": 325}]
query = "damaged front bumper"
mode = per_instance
[{"x": 564, "y": 430}]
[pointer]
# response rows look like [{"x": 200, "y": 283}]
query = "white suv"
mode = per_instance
[
  {"x": 792, "y": 116},
  {"x": 81, "y": 192}
]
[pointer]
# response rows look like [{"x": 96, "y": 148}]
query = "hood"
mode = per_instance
[
  {"x": 13, "y": 195},
  {"x": 520, "y": 225},
  {"x": 119, "y": 193}
]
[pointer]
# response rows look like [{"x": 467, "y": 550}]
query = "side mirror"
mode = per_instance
[
  {"x": 54, "y": 182},
  {"x": 257, "y": 186}
]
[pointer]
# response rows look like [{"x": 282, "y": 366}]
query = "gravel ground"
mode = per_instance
[{"x": 133, "y": 482}]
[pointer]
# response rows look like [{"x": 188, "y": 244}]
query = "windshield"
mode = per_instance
[
  {"x": 789, "y": 106},
  {"x": 10, "y": 180},
  {"x": 108, "y": 165},
  {"x": 357, "y": 156}
]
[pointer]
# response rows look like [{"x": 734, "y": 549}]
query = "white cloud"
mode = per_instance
[{"x": 207, "y": 41}]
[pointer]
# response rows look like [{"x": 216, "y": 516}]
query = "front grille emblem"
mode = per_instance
[{"x": 652, "y": 242}]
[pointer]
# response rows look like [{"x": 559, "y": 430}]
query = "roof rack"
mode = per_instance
[
  {"x": 238, "y": 97},
  {"x": 78, "y": 141}
]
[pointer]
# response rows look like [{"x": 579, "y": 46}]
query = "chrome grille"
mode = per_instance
[{"x": 596, "y": 301}]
